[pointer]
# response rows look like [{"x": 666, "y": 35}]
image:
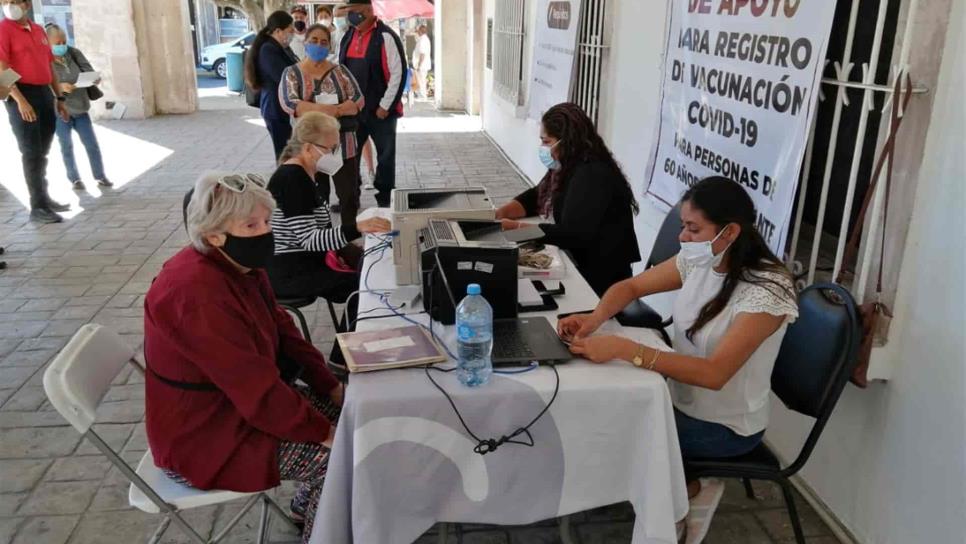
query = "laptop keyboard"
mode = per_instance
[{"x": 508, "y": 343}]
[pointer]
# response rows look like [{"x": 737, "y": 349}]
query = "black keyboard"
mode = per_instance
[{"x": 508, "y": 343}]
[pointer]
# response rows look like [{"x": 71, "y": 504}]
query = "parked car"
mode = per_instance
[{"x": 213, "y": 56}]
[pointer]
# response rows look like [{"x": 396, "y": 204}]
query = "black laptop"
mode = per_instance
[{"x": 520, "y": 341}]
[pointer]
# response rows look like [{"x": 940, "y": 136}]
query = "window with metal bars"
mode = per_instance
[
  {"x": 509, "y": 34},
  {"x": 592, "y": 51},
  {"x": 843, "y": 144}
]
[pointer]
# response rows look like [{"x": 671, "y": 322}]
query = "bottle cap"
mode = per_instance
[{"x": 473, "y": 289}]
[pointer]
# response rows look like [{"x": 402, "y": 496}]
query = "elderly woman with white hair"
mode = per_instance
[
  {"x": 308, "y": 246},
  {"x": 222, "y": 407}
]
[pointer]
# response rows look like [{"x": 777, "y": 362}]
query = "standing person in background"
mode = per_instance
[
  {"x": 422, "y": 62},
  {"x": 300, "y": 24},
  {"x": 69, "y": 63},
  {"x": 375, "y": 56},
  {"x": 315, "y": 84},
  {"x": 268, "y": 57},
  {"x": 31, "y": 106},
  {"x": 323, "y": 16}
]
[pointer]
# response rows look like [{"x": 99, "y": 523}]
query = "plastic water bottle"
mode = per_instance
[{"x": 474, "y": 337}]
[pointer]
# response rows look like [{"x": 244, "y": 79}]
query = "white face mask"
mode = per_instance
[
  {"x": 329, "y": 163},
  {"x": 701, "y": 254},
  {"x": 13, "y": 12}
]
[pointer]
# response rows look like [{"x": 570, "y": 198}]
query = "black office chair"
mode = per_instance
[
  {"x": 666, "y": 245},
  {"x": 816, "y": 359},
  {"x": 291, "y": 304}
]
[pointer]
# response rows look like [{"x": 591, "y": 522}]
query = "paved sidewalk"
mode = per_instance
[{"x": 97, "y": 266}]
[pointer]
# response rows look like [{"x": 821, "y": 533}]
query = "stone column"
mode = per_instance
[
  {"x": 143, "y": 50},
  {"x": 451, "y": 54},
  {"x": 475, "y": 52}
]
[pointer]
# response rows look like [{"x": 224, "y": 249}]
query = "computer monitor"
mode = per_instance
[
  {"x": 457, "y": 253},
  {"x": 413, "y": 208}
]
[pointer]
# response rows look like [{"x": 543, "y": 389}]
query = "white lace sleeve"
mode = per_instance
[
  {"x": 683, "y": 267},
  {"x": 774, "y": 295}
]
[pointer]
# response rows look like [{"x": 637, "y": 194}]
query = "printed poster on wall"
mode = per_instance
[
  {"x": 555, "y": 39},
  {"x": 741, "y": 81}
]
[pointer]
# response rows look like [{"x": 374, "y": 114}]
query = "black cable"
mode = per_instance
[{"x": 485, "y": 446}]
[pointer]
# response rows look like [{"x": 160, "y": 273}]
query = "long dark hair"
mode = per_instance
[
  {"x": 277, "y": 20},
  {"x": 723, "y": 202},
  {"x": 578, "y": 142}
]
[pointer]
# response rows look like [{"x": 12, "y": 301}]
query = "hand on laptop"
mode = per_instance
[
  {"x": 576, "y": 326},
  {"x": 600, "y": 349},
  {"x": 510, "y": 224}
]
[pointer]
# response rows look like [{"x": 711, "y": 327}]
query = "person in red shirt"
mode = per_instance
[
  {"x": 223, "y": 408},
  {"x": 375, "y": 55},
  {"x": 31, "y": 106}
]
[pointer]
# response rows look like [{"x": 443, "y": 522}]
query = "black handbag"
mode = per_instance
[
  {"x": 93, "y": 93},
  {"x": 349, "y": 123}
]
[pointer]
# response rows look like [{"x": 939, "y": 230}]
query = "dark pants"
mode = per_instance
[
  {"x": 383, "y": 134},
  {"x": 34, "y": 139},
  {"x": 348, "y": 185},
  {"x": 85, "y": 129},
  {"x": 280, "y": 131}
]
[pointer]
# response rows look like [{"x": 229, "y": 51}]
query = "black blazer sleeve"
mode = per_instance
[
  {"x": 589, "y": 194},
  {"x": 272, "y": 61},
  {"x": 528, "y": 199}
]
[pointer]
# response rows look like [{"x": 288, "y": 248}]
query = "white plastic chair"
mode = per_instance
[{"x": 75, "y": 383}]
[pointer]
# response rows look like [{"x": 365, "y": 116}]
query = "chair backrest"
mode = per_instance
[
  {"x": 80, "y": 375},
  {"x": 667, "y": 245},
  {"x": 184, "y": 207},
  {"x": 817, "y": 356}
]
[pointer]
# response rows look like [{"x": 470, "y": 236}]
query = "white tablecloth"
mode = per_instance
[{"x": 402, "y": 462}]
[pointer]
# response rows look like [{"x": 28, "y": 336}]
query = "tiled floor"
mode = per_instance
[{"x": 97, "y": 266}]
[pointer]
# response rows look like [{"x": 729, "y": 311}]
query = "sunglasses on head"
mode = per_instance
[{"x": 239, "y": 182}]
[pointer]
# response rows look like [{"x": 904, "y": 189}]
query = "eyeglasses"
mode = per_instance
[
  {"x": 326, "y": 150},
  {"x": 238, "y": 183}
]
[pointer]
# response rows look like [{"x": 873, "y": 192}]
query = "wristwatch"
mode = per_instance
[
  {"x": 61, "y": 98},
  {"x": 638, "y": 359}
]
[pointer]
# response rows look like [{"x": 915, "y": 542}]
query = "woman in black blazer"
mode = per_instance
[
  {"x": 586, "y": 194},
  {"x": 265, "y": 61}
]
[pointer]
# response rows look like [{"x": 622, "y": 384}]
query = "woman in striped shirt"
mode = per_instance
[{"x": 305, "y": 263}]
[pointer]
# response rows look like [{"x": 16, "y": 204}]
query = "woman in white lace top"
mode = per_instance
[{"x": 735, "y": 299}]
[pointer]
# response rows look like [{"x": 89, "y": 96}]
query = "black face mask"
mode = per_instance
[
  {"x": 251, "y": 251},
  {"x": 299, "y": 26}
]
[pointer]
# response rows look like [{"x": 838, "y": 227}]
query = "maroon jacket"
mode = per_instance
[{"x": 207, "y": 323}]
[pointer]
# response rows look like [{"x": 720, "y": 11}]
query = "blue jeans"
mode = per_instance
[
  {"x": 701, "y": 439},
  {"x": 85, "y": 129}
]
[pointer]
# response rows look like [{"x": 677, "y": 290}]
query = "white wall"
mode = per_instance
[
  {"x": 891, "y": 465},
  {"x": 892, "y": 462},
  {"x": 517, "y": 136}
]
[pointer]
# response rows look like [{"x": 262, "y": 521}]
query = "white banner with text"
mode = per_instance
[
  {"x": 555, "y": 39},
  {"x": 741, "y": 81}
]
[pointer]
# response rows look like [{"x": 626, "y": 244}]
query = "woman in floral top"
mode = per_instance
[{"x": 315, "y": 84}]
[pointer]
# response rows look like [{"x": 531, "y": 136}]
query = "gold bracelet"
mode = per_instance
[{"x": 657, "y": 353}]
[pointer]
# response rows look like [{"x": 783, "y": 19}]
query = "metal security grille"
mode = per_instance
[
  {"x": 508, "y": 39},
  {"x": 592, "y": 50},
  {"x": 844, "y": 141}
]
